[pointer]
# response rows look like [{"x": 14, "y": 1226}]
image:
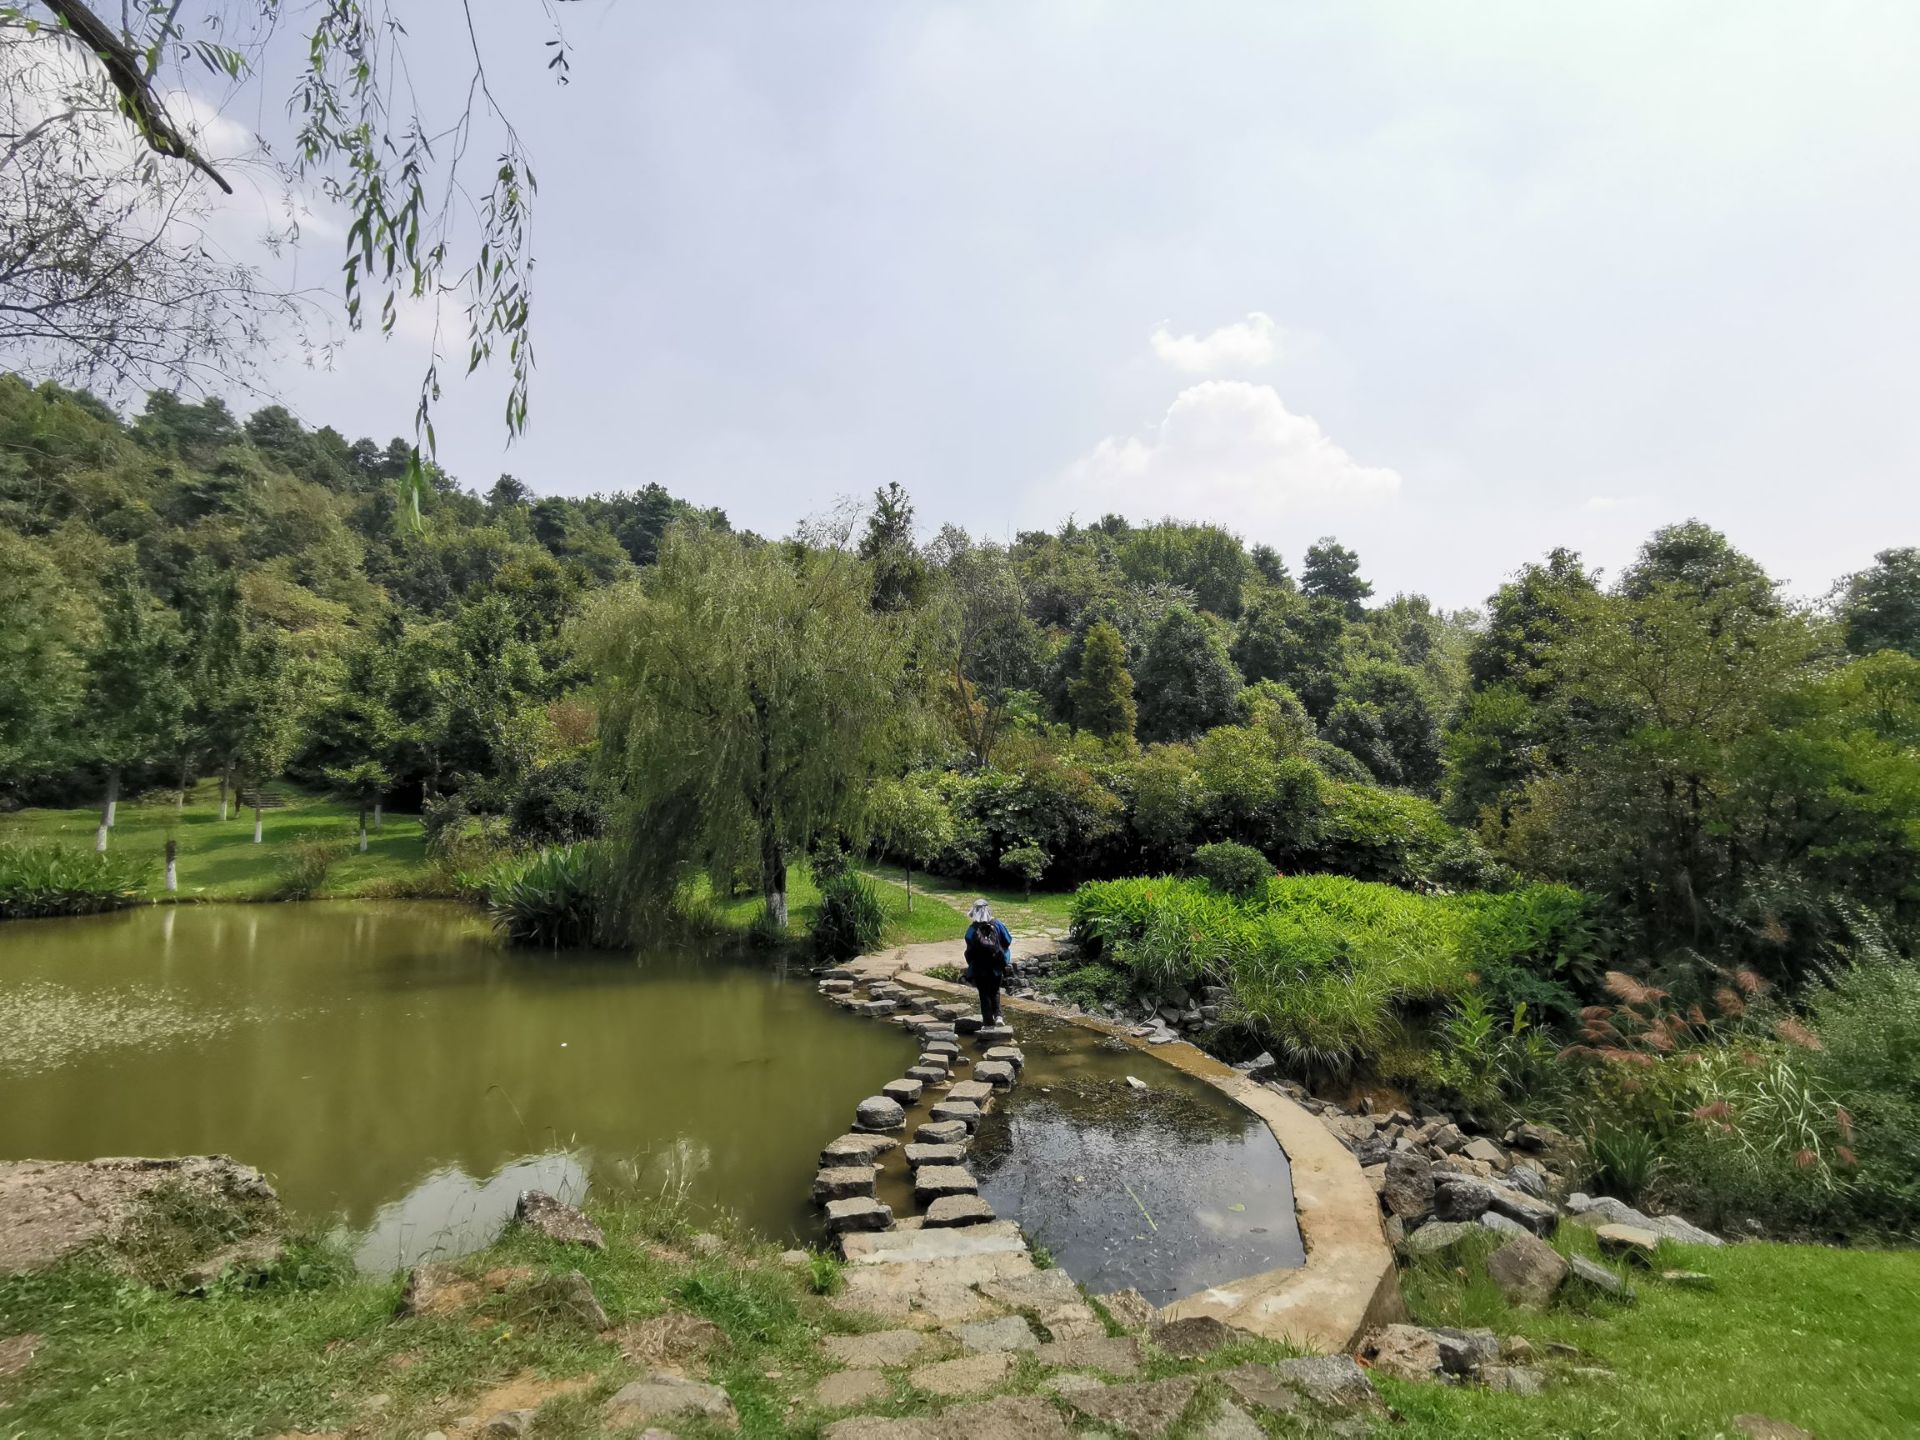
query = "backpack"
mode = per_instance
[{"x": 993, "y": 953}]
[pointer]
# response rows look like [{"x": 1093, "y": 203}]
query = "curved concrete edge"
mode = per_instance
[{"x": 1349, "y": 1283}]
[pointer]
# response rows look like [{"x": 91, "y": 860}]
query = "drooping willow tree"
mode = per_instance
[{"x": 749, "y": 697}]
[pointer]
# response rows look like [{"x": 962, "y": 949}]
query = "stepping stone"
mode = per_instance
[
  {"x": 969, "y": 1375},
  {"x": 994, "y": 1033},
  {"x": 858, "y": 1213},
  {"x": 1335, "y": 1381},
  {"x": 1012, "y": 1054},
  {"x": 1229, "y": 1422},
  {"x": 1007, "y": 1332},
  {"x": 878, "y": 1351},
  {"x": 927, "y": 1074},
  {"x": 1042, "y": 1290},
  {"x": 850, "y": 1387},
  {"x": 918, "y": 1155},
  {"x": 877, "y": 1113},
  {"x": 945, "y": 1047},
  {"x": 836, "y": 987},
  {"x": 997, "y": 1073},
  {"x": 939, "y": 1132},
  {"x": 855, "y": 1150},
  {"x": 1130, "y": 1309},
  {"x": 915, "y": 1250},
  {"x": 1110, "y": 1354},
  {"x": 922, "y": 1020},
  {"x": 930, "y": 1182},
  {"x": 1078, "y": 1321},
  {"x": 1143, "y": 1411},
  {"x": 933, "y": 1058},
  {"x": 880, "y": 1007},
  {"x": 907, "y": 1092},
  {"x": 978, "y": 1091},
  {"x": 964, "y": 1111},
  {"x": 842, "y": 1183},
  {"x": 967, "y": 1024},
  {"x": 664, "y": 1395},
  {"x": 1068, "y": 1383},
  {"x": 953, "y": 1211},
  {"x": 1011, "y": 1417},
  {"x": 948, "y": 1012}
]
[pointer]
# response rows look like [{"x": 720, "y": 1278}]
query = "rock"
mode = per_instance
[
  {"x": 994, "y": 1033},
  {"x": 877, "y": 1351},
  {"x": 942, "y": 1132},
  {"x": 1068, "y": 1383},
  {"x": 997, "y": 1073},
  {"x": 1500, "y": 1225},
  {"x": 930, "y": 1182},
  {"x": 1448, "y": 1139},
  {"x": 1684, "y": 1232},
  {"x": 907, "y": 1092},
  {"x": 1395, "y": 1229},
  {"x": 435, "y": 1289},
  {"x": 1628, "y": 1240},
  {"x": 1617, "y": 1212},
  {"x": 1513, "y": 1379},
  {"x": 918, "y": 1155},
  {"x": 965, "y": 1111},
  {"x": 1599, "y": 1277},
  {"x": 846, "y": 1388},
  {"x": 1762, "y": 1427},
  {"x": 1129, "y": 1309},
  {"x": 1007, "y": 1054},
  {"x": 1527, "y": 1270},
  {"x": 1229, "y": 1422},
  {"x": 1006, "y": 1332},
  {"x": 978, "y": 1091},
  {"x": 1034, "y": 1290},
  {"x": 1376, "y": 1176},
  {"x": 969, "y": 1375},
  {"x": 1262, "y": 1067},
  {"x": 1009, "y": 1417},
  {"x": 842, "y": 1183},
  {"x": 881, "y": 1007},
  {"x": 1407, "y": 1187},
  {"x": 934, "y": 1059},
  {"x": 1538, "y": 1216},
  {"x": 795, "y": 1259},
  {"x": 858, "y": 1213},
  {"x": 50, "y": 1209},
  {"x": 1333, "y": 1381},
  {"x": 855, "y": 1150},
  {"x": 507, "y": 1424},
  {"x": 569, "y": 1295},
  {"x": 1143, "y": 1411},
  {"x": 1457, "y": 1198},
  {"x": 17, "y": 1352},
  {"x": 1687, "y": 1279},
  {"x": 966, "y": 1024},
  {"x": 1349, "y": 1129},
  {"x": 557, "y": 1220},
  {"x": 950, "y": 1211},
  {"x": 1437, "y": 1237},
  {"x": 1527, "y": 1180},
  {"x": 1486, "y": 1152},
  {"x": 927, "y": 1074},
  {"x": 672, "y": 1341},
  {"x": 1464, "y": 1351},
  {"x": 1134, "y": 1082},
  {"x": 1527, "y": 1136},
  {"x": 879, "y": 1114},
  {"x": 664, "y": 1396},
  {"x": 244, "y": 1262},
  {"x": 1117, "y": 1355},
  {"x": 1193, "y": 1336},
  {"x": 1076, "y": 1320},
  {"x": 1405, "y": 1352}
]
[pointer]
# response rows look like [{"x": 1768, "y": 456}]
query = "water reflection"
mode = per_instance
[{"x": 451, "y": 1213}]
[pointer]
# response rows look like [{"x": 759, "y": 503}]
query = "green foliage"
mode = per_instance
[
  {"x": 301, "y": 869},
  {"x": 1236, "y": 870},
  {"x": 1880, "y": 606},
  {"x": 1626, "y": 1158},
  {"x": 1093, "y": 987},
  {"x": 37, "y": 880},
  {"x": 1332, "y": 572},
  {"x": 1374, "y": 834},
  {"x": 1869, "y": 1027},
  {"x": 1102, "y": 691},
  {"x": 1186, "y": 683},
  {"x": 1028, "y": 861},
  {"x": 851, "y": 920},
  {"x": 552, "y": 898}
]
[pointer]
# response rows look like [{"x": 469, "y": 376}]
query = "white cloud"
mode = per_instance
[
  {"x": 1228, "y": 451},
  {"x": 1245, "y": 343}
]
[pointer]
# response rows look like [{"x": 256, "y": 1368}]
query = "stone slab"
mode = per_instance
[
  {"x": 942, "y": 1132},
  {"x": 1145, "y": 1412},
  {"x": 918, "y": 1155},
  {"x": 1117, "y": 1355},
  {"x": 969, "y": 1375},
  {"x": 1000, "y": 1238},
  {"x": 861, "y": 1214},
  {"x": 997, "y": 1073},
  {"x": 964, "y": 1111},
  {"x": 1006, "y": 1332},
  {"x": 846, "y": 1388},
  {"x": 978, "y": 1091},
  {"x": 931, "y": 1182},
  {"x": 956, "y": 1210},
  {"x": 842, "y": 1183},
  {"x": 906, "y": 1091},
  {"x": 879, "y": 1350}
]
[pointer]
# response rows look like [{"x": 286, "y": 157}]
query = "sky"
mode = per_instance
[{"x": 1457, "y": 283}]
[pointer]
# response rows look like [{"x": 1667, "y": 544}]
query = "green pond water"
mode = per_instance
[{"x": 394, "y": 1066}]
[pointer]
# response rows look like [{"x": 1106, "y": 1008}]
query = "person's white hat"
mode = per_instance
[{"x": 980, "y": 910}]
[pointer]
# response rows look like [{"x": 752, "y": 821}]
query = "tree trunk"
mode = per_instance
[
  {"x": 256, "y": 816},
  {"x": 376, "y": 817},
  {"x": 113, "y": 797},
  {"x": 180, "y": 795},
  {"x": 173, "y": 873},
  {"x": 226, "y": 776},
  {"x": 909, "y": 889},
  {"x": 363, "y": 829},
  {"x": 773, "y": 878}
]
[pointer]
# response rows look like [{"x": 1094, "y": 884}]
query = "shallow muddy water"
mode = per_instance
[{"x": 391, "y": 1064}]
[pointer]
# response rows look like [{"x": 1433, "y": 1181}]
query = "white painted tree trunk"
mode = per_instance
[
  {"x": 226, "y": 774},
  {"x": 256, "y": 820},
  {"x": 113, "y": 797},
  {"x": 376, "y": 816},
  {"x": 100, "y": 838},
  {"x": 363, "y": 829},
  {"x": 173, "y": 870}
]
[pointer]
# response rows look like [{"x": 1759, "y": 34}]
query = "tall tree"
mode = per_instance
[
  {"x": 1186, "y": 682},
  {"x": 749, "y": 697},
  {"x": 135, "y": 705},
  {"x": 912, "y": 820},
  {"x": 993, "y": 648},
  {"x": 899, "y": 571},
  {"x": 1332, "y": 571},
  {"x": 1880, "y": 606},
  {"x": 1102, "y": 693}
]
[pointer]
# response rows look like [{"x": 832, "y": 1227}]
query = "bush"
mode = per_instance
[
  {"x": 1236, "y": 870},
  {"x": 1387, "y": 835},
  {"x": 1092, "y": 987},
  {"x": 1029, "y": 862},
  {"x": 556, "y": 804},
  {"x": 549, "y": 898},
  {"x": 302, "y": 869},
  {"x": 40, "y": 880},
  {"x": 1869, "y": 1024},
  {"x": 851, "y": 919}
]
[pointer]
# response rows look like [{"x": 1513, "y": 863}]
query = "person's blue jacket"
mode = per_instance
[{"x": 977, "y": 953}]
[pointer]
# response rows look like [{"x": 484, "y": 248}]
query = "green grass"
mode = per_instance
[
  {"x": 1823, "y": 1338},
  {"x": 928, "y": 921},
  {"x": 1047, "y": 911},
  {"x": 221, "y": 862}
]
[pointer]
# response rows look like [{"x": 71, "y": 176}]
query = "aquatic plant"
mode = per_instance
[
  {"x": 304, "y": 866},
  {"x": 64, "y": 880},
  {"x": 851, "y": 918},
  {"x": 548, "y": 898}
]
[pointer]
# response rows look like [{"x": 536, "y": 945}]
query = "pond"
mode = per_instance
[{"x": 391, "y": 1064}]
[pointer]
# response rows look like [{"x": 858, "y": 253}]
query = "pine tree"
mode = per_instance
[
  {"x": 899, "y": 572},
  {"x": 1102, "y": 693},
  {"x": 1333, "y": 571}
]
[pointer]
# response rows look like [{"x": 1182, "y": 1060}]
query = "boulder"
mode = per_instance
[
  {"x": 1438, "y": 1237},
  {"x": 1447, "y": 1138},
  {"x": 1513, "y": 1379},
  {"x": 1350, "y": 1130},
  {"x": 1501, "y": 1225},
  {"x": 1527, "y": 1180},
  {"x": 1129, "y": 1309},
  {"x": 858, "y": 1213},
  {"x": 1629, "y": 1240},
  {"x": 878, "y": 1114},
  {"x": 1455, "y": 1197},
  {"x": 1528, "y": 1271},
  {"x": 1605, "y": 1210},
  {"x": 1407, "y": 1187},
  {"x": 570, "y": 1295},
  {"x": 1486, "y": 1152},
  {"x": 666, "y": 1396},
  {"x": 1599, "y": 1277},
  {"x": 1464, "y": 1351},
  {"x": 1405, "y": 1352},
  {"x": 952, "y": 1211},
  {"x": 557, "y": 1220},
  {"x": 1538, "y": 1216},
  {"x": 1333, "y": 1381}
]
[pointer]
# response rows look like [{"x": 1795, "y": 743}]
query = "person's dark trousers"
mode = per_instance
[{"x": 989, "y": 988}]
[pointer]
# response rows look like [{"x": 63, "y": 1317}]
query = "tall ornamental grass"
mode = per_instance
[
  {"x": 38, "y": 880},
  {"x": 550, "y": 898}
]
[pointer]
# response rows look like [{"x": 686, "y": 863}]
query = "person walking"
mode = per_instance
[{"x": 989, "y": 957}]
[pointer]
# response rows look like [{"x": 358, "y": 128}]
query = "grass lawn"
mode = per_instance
[
  {"x": 221, "y": 862},
  {"x": 929, "y": 919},
  {"x": 1046, "y": 912}
]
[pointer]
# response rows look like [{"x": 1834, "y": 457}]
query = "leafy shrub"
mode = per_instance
[
  {"x": 1093, "y": 986},
  {"x": 1029, "y": 862},
  {"x": 851, "y": 919},
  {"x": 1537, "y": 946},
  {"x": 549, "y": 898},
  {"x": 1375, "y": 834},
  {"x": 556, "y": 804},
  {"x": 1869, "y": 1026},
  {"x": 1626, "y": 1158},
  {"x": 1236, "y": 870},
  {"x": 764, "y": 932},
  {"x": 302, "y": 868},
  {"x": 65, "y": 880}
]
